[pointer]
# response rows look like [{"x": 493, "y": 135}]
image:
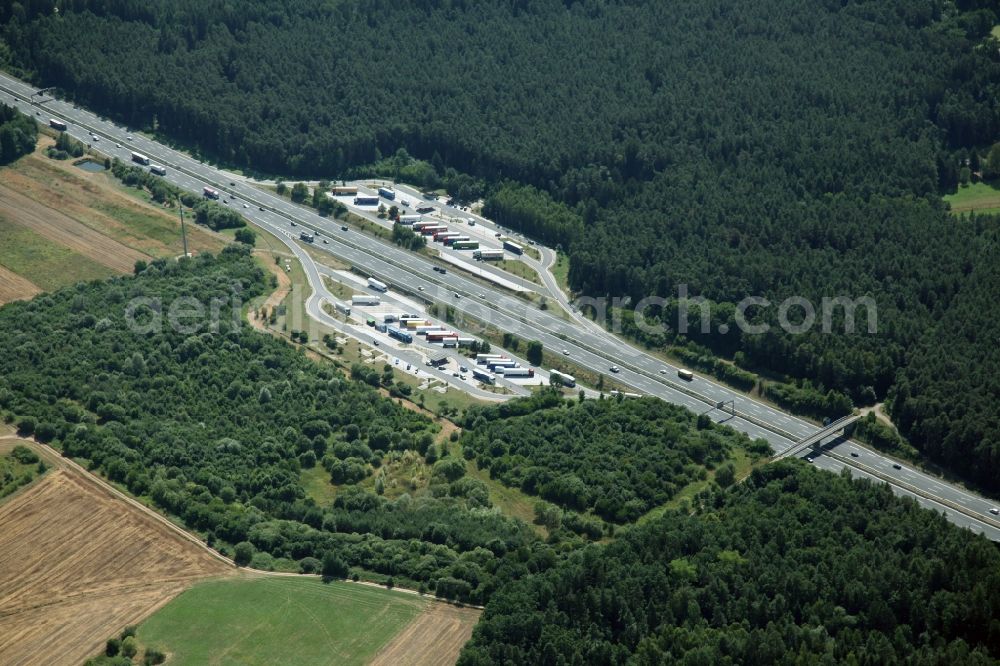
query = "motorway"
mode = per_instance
[{"x": 586, "y": 345}]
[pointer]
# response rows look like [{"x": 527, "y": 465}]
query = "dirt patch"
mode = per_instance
[
  {"x": 66, "y": 231},
  {"x": 434, "y": 638},
  {"x": 13, "y": 287},
  {"x": 78, "y": 563}
]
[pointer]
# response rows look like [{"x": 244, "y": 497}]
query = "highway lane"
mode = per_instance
[{"x": 587, "y": 347}]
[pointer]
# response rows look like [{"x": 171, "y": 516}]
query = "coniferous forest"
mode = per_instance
[{"x": 771, "y": 149}]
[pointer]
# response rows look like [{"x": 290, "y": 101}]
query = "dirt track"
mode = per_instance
[
  {"x": 77, "y": 564},
  {"x": 434, "y": 638},
  {"x": 13, "y": 287}
]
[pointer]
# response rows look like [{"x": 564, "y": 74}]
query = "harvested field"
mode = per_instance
[
  {"x": 13, "y": 287},
  {"x": 47, "y": 264},
  {"x": 77, "y": 564},
  {"x": 434, "y": 638},
  {"x": 100, "y": 202},
  {"x": 65, "y": 231}
]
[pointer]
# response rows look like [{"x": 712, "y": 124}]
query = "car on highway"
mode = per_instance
[
  {"x": 294, "y": 225},
  {"x": 95, "y": 137},
  {"x": 232, "y": 184},
  {"x": 260, "y": 208},
  {"x": 498, "y": 234},
  {"x": 565, "y": 352},
  {"x": 326, "y": 242},
  {"x": 995, "y": 511},
  {"x": 245, "y": 206},
  {"x": 375, "y": 342},
  {"x": 118, "y": 145},
  {"x": 482, "y": 295},
  {"x": 809, "y": 458},
  {"x": 128, "y": 138},
  {"x": 615, "y": 369},
  {"x": 344, "y": 228},
  {"x": 458, "y": 295},
  {"x": 896, "y": 466},
  {"x": 854, "y": 454},
  {"x": 663, "y": 371}
]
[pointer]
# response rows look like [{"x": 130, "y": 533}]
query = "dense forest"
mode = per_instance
[
  {"x": 771, "y": 149},
  {"x": 796, "y": 566},
  {"x": 618, "y": 457},
  {"x": 214, "y": 422}
]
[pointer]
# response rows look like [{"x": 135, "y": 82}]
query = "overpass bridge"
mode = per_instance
[{"x": 845, "y": 424}]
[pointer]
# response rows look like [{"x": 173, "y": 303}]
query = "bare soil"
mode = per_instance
[
  {"x": 78, "y": 563},
  {"x": 434, "y": 638}
]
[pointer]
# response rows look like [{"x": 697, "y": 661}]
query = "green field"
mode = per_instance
[
  {"x": 978, "y": 197},
  {"x": 278, "y": 621},
  {"x": 520, "y": 269},
  {"x": 560, "y": 271},
  {"x": 45, "y": 263}
]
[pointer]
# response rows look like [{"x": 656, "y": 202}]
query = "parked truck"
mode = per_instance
[
  {"x": 344, "y": 190},
  {"x": 513, "y": 247},
  {"x": 465, "y": 245},
  {"x": 515, "y": 372},
  {"x": 386, "y": 193},
  {"x": 365, "y": 299},
  {"x": 365, "y": 200},
  {"x": 409, "y": 219},
  {"x": 488, "y": 255},
  {"x": 402, "y": 336},
  {"x": 483, "y": 376},
  {"x": 568, "y": 381},
  {"x": 377, "y": 285}
]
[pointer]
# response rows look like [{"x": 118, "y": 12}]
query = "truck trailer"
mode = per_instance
[
  {"x": 157, "y": 169},
  {"x": 365, "y": 299},
  {"x": 344, "y": 190},
  {"x": 483, "y": 376},
  {"x": 410, "y": 219},
  {"x": 365, "y": 200},
  {"x": 515, "y": 372},
  {"x": 386, "y": 193},
  {"x": 377, "y": 285},
  {"x": 343, "y": 308},
  {"x": 568, "y": 381},
  {"x": 57, "y": 124},
  {"x": 210, "y": 193},
  {"x": 402, "y": 336},
  {"x": 488, "y": 255},
  {"x": 140, "y": 158},
  {"x": 513, "y": 247},
  {"x": 465, "y": 245}
]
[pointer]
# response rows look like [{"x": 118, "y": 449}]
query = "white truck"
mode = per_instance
[{"x": 377, "y": 285}]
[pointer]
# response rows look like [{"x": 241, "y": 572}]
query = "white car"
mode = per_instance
[
  {"x": 245, "y": 206},
  {"x": 615, "y": 369},
  {"x": 565, "y": 352},
  {"x": 128, "y": 138},
  {"x": 995, "y": 511}
]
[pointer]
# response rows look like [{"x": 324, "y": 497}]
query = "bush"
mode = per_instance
[
  {"x": 333, "y": 566},
  {"x": 153, "y": 656},
  {"x": 243, "y": 553}
]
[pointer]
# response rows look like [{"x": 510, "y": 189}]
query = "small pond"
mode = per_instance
[{"x": 90, "y": 165}]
